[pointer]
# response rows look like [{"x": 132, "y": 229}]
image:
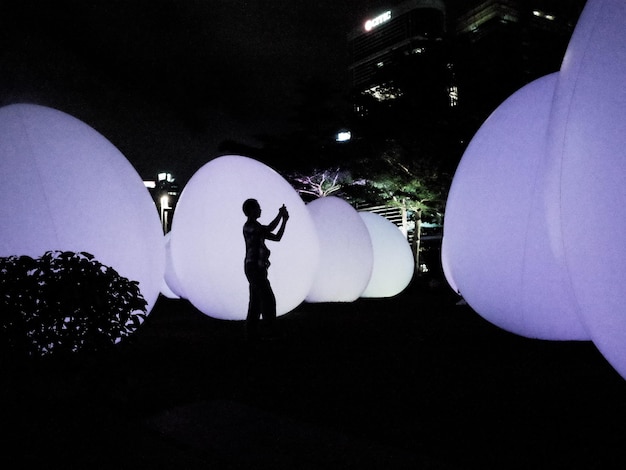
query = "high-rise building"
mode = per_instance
[
  {"x": 396, "y": 55},
  {"x": 500, "y": 45},
  {"x": 403, "y": 80},
  {"x": 436, "y": 69}
]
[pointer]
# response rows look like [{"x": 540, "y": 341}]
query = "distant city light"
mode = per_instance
[
  {"x": 453, "y": 96},
  {"x": 544, "y": 15},
  {"x": 343, "y": 136},
  {"x": 380, "y": 19},
  {"x": 149, "y": 184},
  {"x": 165, "y": 177},
  {"x": 384, "y": 92}
]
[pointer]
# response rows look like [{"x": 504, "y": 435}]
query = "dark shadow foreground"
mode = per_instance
[{"x": 410, "y": 382}]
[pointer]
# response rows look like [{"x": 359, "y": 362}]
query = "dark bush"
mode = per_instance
[{"x": 65, "y": 302}]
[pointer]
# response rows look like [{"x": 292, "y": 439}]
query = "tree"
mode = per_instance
[
  {"x": 319, "y": 183},
  {"x": 65, "y": 302},
  {"x": 417, "y": 186}
]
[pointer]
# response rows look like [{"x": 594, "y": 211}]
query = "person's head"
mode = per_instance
[{"x": 251, "y": 208}]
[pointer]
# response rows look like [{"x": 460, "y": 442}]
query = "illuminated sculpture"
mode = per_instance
[
  {"x": 577, "y": 196},
  {"x": 170, "y": 287},
  {"x": 446, "y": 268},
  {"x": 393, "y": 265},
  {"x": 207, "y": 244},
  {"x": 587, "y": 149},
  {"x": 346, "y": 253},
  {"x": 496, "y": 244},
  {"x": 66, "y": 187}
]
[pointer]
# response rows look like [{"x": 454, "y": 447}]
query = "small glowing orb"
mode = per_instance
[
  {"x": 588, "y": 151},
  {"x": 66, "y": 187},
  {"x": 170, "y": 287},
  {"x": 207, "y": 245},
  {"x": 393, "y": 265},
  {"x": 497, "y": 247},
  {"x": 346, "y": 253}
]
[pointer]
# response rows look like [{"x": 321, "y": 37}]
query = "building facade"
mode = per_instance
[
  {"x": 398, "y": 52},
  {"x": 165, "y": 192},
  {"x": 501, "y": 45},
  {"x": 436, "y": 69}
]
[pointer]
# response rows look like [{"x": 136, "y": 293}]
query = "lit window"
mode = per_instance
[
  {"x": 384, "y": 92},
  {"x": 453, "y": 96},
  {"x": 166, "y": 177},
  {"x": 544, "y": 15},
  {"x": 343, "y": 136}
]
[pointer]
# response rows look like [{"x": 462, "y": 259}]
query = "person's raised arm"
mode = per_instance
[
  {"x": 282, "y": 213},
  {"x": 274, "y": 223}
]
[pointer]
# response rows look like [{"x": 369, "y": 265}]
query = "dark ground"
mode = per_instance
[{"x": 409, "y": 382}]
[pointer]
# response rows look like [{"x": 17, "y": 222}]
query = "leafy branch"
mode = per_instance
[{"x": 65, "y": 302}]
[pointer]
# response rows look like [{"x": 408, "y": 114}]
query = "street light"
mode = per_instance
[{"x": 343, "y": 136}]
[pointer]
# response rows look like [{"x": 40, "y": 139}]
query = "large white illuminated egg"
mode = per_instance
[
  {"x": 346, "y": 253},
  {"x": 66, "y": 187},
  {"x": 588, "y": 152},
  {"x": 393, "y": 265},
  {"x": 496, "y": 230},
  {"x": 170, "y": 287},
  {"x": 207, "y": 245}
]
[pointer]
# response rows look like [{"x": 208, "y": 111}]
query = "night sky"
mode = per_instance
[{"x": 167, "y": 81}]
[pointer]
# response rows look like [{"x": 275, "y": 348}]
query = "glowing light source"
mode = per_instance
[
  {"x": 587, "y": 148},
  {"x": 66, "y": 187},
  {"x": 579, "y": 189},
  {"x": 346, "y": 253},
  {"x": 497, "y": 251},
  {"x": 541, "y": 14},
  {"x": 343, "y": 136},
  {"x": 393, "y": 265},
  {"x": 170, "y": 286},
  {"x": 207, "y": 245},
  {"x": 377, "y": 21}
]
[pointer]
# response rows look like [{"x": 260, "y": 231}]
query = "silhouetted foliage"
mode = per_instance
[{"x": 65, "y": 302}]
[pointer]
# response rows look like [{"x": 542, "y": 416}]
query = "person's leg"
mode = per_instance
[
  {"x": 254, "y": 305},
  {"x": 268, "y": 306}
]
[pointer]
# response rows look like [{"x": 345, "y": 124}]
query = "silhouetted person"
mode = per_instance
[{"x": 262, "y": 302}]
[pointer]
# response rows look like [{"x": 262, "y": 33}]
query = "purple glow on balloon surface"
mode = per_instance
[
  {"x": 171, "y": 287},
  {"x": 497, "y": 244},
  {"x": 346, "y": 253},
  {"x": 66, "y": 187},
  {"x": 588, "y": 153},
  {"x": 393, "y": 266},
  {"x": 207, "y": 245}
]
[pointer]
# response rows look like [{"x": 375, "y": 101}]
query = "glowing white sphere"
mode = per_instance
[
  {"x": 393, "y": 266},
  {"x": 346, "y": 253},
  {"x": 207, "y": 245},
  {"x": 497, "y": 245},
  {"x": 588, "y": 152},
  {"x": 170, "y": 286},
  {"x": 66, "y": 187},
  {"x": 447, "y": 269}
]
